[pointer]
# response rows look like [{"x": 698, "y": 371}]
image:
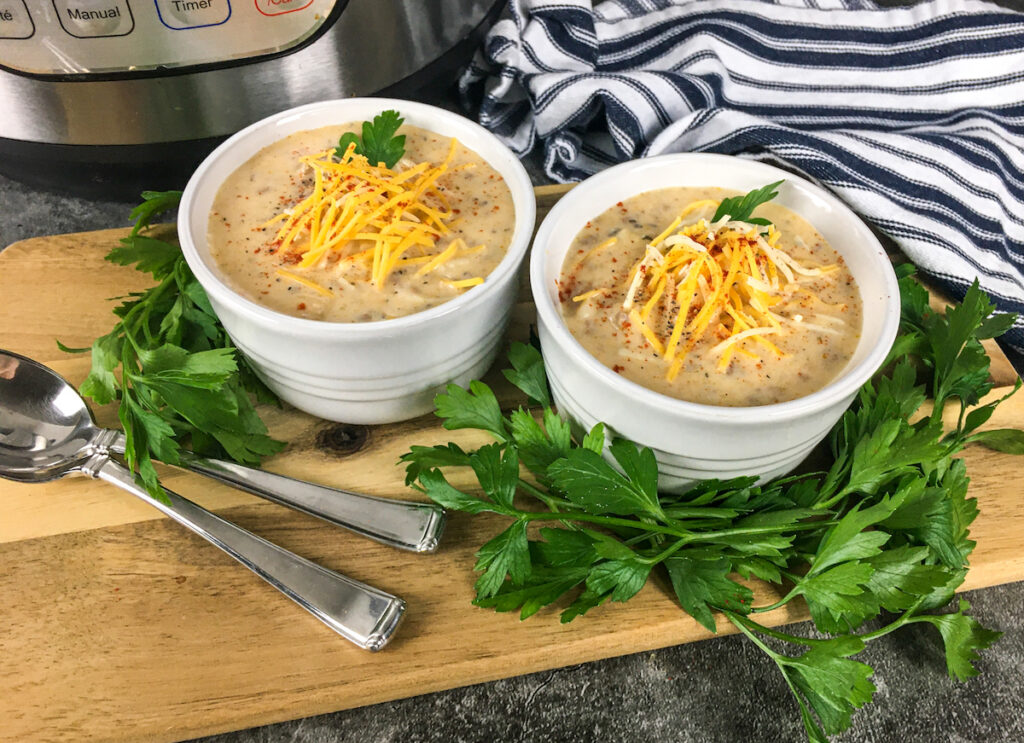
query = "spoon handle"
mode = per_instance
[
  {"x": 407, "y": 525},
  {"x": 363, "y": 614}
]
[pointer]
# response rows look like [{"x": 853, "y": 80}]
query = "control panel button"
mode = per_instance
[
  {"x": 15, "y": 22},
  {"x": 88, "y": 19},
  {"x": 277, "y": 7},
  {"x": 184, "y": 14}
]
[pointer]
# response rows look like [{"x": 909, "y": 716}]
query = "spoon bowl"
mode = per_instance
[{"x": 46, "y": 430}]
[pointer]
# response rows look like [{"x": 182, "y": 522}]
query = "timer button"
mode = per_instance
[
  {"x": 15, "y": 22},
  {"x": 94, "y": 18},
  {"x": 185, "y": 14},
  {"x": 277, "y": 7}
]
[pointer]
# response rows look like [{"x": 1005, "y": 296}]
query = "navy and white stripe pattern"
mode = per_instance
[{"x": 914, "y": 116}]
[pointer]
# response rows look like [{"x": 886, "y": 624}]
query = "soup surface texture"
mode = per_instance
[
  {"x": 776, "y": 317},
  {"x": 466, "y": 210}
]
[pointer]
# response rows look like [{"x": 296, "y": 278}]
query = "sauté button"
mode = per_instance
[
  {"x": 184, "y": 14},
  {"x": 277, "y": 7},
  {"x": 92, "y": 18},
  {"x": 15, "y": 22}
]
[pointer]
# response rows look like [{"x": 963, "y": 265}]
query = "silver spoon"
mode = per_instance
[
  {"x": 47, "y": 432},
  {"x": 407, "y": 525}
]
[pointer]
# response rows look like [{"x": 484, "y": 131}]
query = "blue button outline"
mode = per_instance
[{"x": 187, "y": 28}]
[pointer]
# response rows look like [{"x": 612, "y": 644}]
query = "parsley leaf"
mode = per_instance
[
  {"x": 154, "y": 203},
  {"x": 544, "y": 587},
  {"x": 379, "y": 143},
  {"x": 497, "y": 471},
  {"x": 704, "y": 584},
  {"x": 963, "y": 638},
  {"x": 584, "y": 602},
  {"x": 900, "y": 576},
  {"x": 506, "y": 554},
  {"x": 641, "y": 468},
  {"x": 527, "y": 373},
  {"x": 439, "y": 490},
  {"x": 421, "y": 458},
  {"x": 740, "y": 208},
  {"x": 566, "y": 548},
  {"x": 593, "y": 484},
  {"x": 937, "y": 515},
  {"x": 473, "y": 408},
  {"x": 892, "y": 449},
  {"x": 623, "y": 579},
  {"x": 833, "y": 684},
  {"x": 1006, "y": 440},
  {"x": 594, "y": 440},
  {"x": 837, "y": 597},
  {"x": 149, "y": 254},
  {"x": 540, "y": 447},
  {"x": 101, "y": 384},
  {"x": 848, "y": 540}
]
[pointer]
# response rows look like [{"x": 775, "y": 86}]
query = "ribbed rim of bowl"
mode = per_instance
[
  {"x": 512, "y": 171},
  {"x": 846, "y": 384}
]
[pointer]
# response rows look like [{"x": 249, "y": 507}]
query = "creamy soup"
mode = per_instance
[
  {"x": 457, "y": 236},
  {"x": 776, "y": 317}
]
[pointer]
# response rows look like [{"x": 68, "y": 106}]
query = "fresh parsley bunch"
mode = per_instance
[
  {"x": 170, "y": 364},
  {"x": 883, "y": 532}
]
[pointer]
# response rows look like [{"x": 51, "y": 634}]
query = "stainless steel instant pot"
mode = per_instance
[{"x": 108, "y": 96}]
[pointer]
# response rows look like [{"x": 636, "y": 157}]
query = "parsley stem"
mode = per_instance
[
  {"x": 960, "y": 418},
  {"x": 752, "y": 531},
  {"x": 781, "y": 602},
  {"x": 905, "y": 618},
  {"x": 822, "y": 505},
  {"x": 145, "y": 306},
  {"x": 664, "y": 554},
  {"x": 688, "y": 536},
  {"x": 637, "y": 539},
  {"x": 601, "y": 520},
  {"x": 741, "y": 624},
  {"x": 758, "y": 627},
  {"x": 551, "y": 501}
]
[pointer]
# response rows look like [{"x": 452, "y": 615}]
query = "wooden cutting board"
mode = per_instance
[{"x": 119, "y": 625}]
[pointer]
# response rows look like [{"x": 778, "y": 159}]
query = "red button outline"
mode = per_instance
[{"x": 271, "y": 15}]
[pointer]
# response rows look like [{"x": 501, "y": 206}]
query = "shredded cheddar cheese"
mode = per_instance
[
  {"x": 587, "y": 295},
  {"x": 464, "y": 283},
  {"x": 440, "y": 258},
  {"x": 304, "y": 281},
  {"x": 371, "y": 216},
  {"x": 718, "y": 280}
]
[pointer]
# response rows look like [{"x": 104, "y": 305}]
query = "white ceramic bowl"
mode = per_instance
[
  {"x": 375, "y": 372},
  {"x": 691, "y": 441}
]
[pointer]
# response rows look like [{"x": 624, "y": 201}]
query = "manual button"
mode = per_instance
[
  {"x": 15, "y": 22},
  {"x": 183, "y": 14},
  {"x": 93, "y": 18}
]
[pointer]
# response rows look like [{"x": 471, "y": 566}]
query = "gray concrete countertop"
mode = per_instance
[{"x": 716, "y": 691}]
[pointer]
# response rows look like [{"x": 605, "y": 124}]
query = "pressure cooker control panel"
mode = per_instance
[{"x": 81, "y": 37}]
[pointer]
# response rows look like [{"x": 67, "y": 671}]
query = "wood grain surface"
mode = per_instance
[{"x": 118, "y": 625}]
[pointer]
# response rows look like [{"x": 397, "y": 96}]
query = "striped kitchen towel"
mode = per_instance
[{"x": 914, "y": 116}]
